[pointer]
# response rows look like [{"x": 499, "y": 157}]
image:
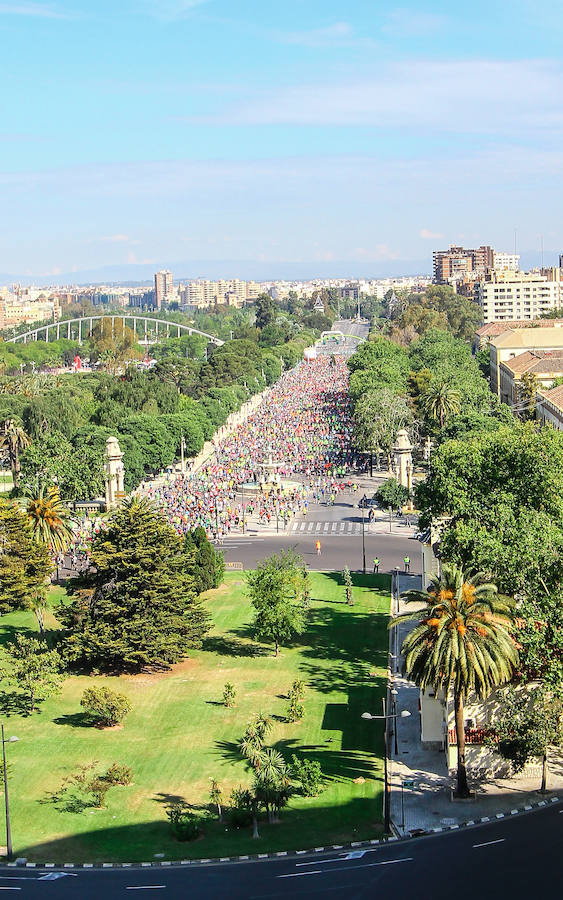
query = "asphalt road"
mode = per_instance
[{"x": 516, "y": 858}]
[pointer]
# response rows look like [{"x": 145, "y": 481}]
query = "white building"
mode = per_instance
[
  {"x": 506, "y": 262},
  {"x": 518, "y": 295}
]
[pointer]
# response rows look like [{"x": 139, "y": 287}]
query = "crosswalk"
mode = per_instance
[{"x": 316, "y": 528}]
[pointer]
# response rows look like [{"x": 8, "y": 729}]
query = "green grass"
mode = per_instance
[{"x": 178, "y": 735}]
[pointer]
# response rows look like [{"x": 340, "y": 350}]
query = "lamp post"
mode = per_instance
[
  {"x": 404, "y": 714},
  {"x": 364, "y": 539},
  {"x": 10, "y": 740}
]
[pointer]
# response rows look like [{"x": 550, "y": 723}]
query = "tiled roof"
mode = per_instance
[
  {"x": 554, "y": 395},
  {"x": 538, "y": 362},
  {"x": 493, "y": 329}
]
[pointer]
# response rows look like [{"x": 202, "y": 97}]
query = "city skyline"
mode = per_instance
[{"x": 190, "y": 135}]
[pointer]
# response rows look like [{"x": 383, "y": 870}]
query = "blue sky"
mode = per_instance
[{"x": 364, "y": 134}]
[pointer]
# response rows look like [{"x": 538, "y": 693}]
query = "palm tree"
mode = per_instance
[
  {"x": 38, "y": 605},
  {"x": 14, "y": 439},
  {"x": 272, "y": 782},
  {"x": 441, "y": 400},
  {"x": 49, "y": 518},
  {"x": 461, "y": 643}
]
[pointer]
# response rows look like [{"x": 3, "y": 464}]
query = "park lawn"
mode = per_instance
[{"x": 179, "y": 735}]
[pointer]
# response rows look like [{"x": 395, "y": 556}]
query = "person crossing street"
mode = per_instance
[
  {"x": 376, "y": 565},
  {"x": 407, "y": 562},
  {"x": 318, "y": 547}
]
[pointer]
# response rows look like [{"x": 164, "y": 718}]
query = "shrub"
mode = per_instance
[
  {"x": 117, "y": 774},
  {"x": 185, "y": 825},
  {"x": 297, "y": 689},
  {"x": 295, "y": 710},
  {"x": 229, "y": 695},
  {"x": 308, "y": 773},
  {"x": 240, "y": 813},
  {"x": 347, "y": 578},
  {"x": 105, "y": 706}
]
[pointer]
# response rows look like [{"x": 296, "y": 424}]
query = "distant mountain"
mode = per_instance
[{"x": 257, "y": 270}]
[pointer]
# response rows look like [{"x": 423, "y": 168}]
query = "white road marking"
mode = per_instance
[
  {"x": 146, "y": 887},
  {"x": 488, "y": 843},
  {"x": 310, "y": 528},
  {"x": 300, "y": 874},
  {"x": 327, "y": 524},
  {"x": 334, "y": 524}
]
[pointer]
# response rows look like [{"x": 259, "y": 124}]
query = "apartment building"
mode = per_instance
[
  {"x": 506, "y": 262},
  {"x": 459, "y": 264},
  {"x": 510, "y": 344},
  {"x": 517, "y": 295},
  {"x": 163, "y": 287}
]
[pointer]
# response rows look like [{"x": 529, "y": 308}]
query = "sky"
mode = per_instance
[{"x": 343, "y": 138}]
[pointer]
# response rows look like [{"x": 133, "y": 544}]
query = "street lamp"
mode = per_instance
[
  {"x": 364, "y": 539},
  {"x": 404, "y": 714},
  {"x": 10, "y": 740}
]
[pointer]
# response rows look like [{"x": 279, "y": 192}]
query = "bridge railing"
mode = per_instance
[{"x": 82, "y": 328}]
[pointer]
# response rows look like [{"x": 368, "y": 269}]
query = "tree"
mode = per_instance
[
  {"x": 38, "y": 605},
  {"x": 49, "y": 518},
  {"x": 272, "y": 783},
  {"x": 378, "y": 416},
  {"x": 14, "y": 439},
  {"x": 33, "y": 668},
  {"x": 461, "y": 643},
  {"x": 527, "y": 391},
  {"x": 205, "y": 564},
  {"x": 266, "y": 310},
  {"x": 24, "y": 564},
  {"x": 391, "y": 495},
  {"x": 528, "y": 726},
  {"x": 106, "y": 707},
  {"x": 440, "y": 401},
  {"x": 216, "y": 797},
  {"x": 272, "y": 591},
  {"x": 136, "y": 606}
]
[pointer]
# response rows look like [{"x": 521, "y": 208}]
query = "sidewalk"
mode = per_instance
[{"x": 424, "y": 802}]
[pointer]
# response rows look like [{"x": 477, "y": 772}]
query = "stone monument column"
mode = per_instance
[
  {"x": 114, "y": 473},
  {"x": 402, "y": 457}
]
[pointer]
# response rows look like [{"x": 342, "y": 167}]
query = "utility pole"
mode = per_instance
[{"x": 182, "y": 460}]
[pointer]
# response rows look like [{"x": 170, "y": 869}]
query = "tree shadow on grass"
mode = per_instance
[
  {"x": 12, "y": 703},
  {"x": 76, "y": 720},
  {"x": 227, "y": 645},
  {"x": 9, "y": 633}
]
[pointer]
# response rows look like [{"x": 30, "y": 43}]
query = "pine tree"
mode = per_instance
[
  {"x": 137, "y": 605},
  {"x": 24, "y": 564}
]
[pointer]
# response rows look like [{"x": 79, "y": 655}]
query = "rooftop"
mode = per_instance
[
  {"x": 493, "y": 329},
  {"x": 554, "y": 396},
  {"x": 536, "y": 362},
  {"x": 531, "y": 338}
]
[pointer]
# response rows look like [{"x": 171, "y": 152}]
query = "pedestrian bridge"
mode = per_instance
[{"x": 148, "y": 330}]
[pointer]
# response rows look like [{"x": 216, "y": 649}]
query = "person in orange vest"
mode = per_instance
[{"x": 318, "y": 547}]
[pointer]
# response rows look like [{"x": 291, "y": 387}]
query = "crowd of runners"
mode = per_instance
[{"x": 302, "y": 433}]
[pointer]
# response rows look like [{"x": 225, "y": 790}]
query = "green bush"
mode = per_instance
[
  {"x": 118, "y": 774},
  {"x": 105, "y": 706},
  {"x": 308, "y": 774},
  {"x": 185, "y": 824}
]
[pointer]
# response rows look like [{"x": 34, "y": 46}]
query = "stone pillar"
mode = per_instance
[
  {"x": 402, "y": 457},
  {"x": 114, "y": 473}
]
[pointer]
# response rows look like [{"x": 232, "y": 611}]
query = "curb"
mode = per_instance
[{"x": 256, "y": 857}]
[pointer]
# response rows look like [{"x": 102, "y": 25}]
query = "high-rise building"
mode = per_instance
[
  {"x": 459, "y": 264},
  {"x": 163, "y": 286},
  {"x": 506, "y": 262}
]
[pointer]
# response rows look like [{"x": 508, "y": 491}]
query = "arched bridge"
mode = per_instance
[{"x": 148, "y": 330}]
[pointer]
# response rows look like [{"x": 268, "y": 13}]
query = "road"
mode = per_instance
[
  {"x": 339, "y": 528},
  {"x": 516, "y": 858}
]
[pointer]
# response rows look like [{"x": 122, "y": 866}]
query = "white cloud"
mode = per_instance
[
  {"x": 476, "y": 96},
  {"x": 430, "y": 235},
  {"x": 33, "y": 10}
]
